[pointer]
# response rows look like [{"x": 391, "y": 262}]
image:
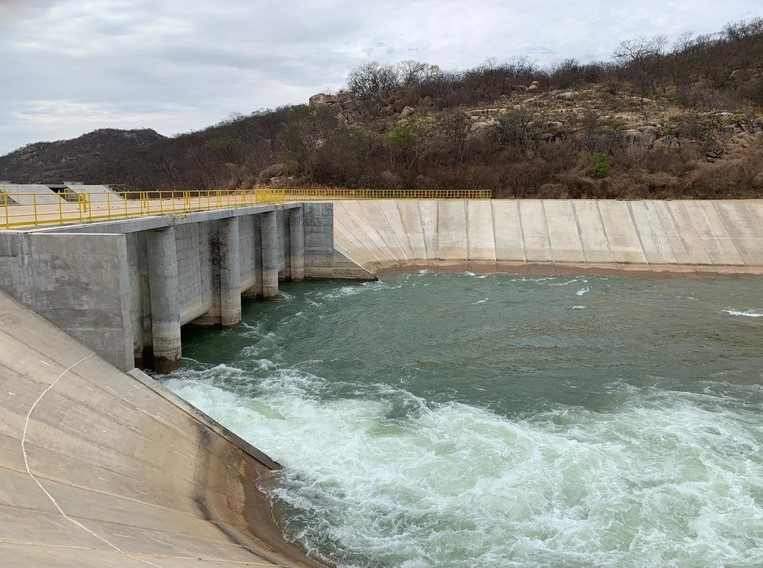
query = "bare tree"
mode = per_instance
[
  {"x": 372, "y": 83},
  {"x": 455, "y": 125},
  {"x": 641, "y": 57}
]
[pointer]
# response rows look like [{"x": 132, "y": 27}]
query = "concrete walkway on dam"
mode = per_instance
[
  {"x": 102, "y": 469},
  {"x": 553, "y": 236}
]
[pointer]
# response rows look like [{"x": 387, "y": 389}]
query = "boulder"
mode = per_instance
[
  {"x": 712, "y": 156},
  {"x": 322, "y": 99},
  {"x": 634, "y": 139},
  {"x": 650, "y": 134},
  {"x": 668, "y": 141},
  {"x": 407, "y": 111},
  {"x": 480, "y": 133}
]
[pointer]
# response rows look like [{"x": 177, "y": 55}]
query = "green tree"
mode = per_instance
[{"x": 409, "y": 140}]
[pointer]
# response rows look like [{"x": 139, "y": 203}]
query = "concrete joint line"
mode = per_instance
[
  {"x": 731, "y": 239},
  {"x": 48, "y": 495},
  {"x": 636, "y": 230}
]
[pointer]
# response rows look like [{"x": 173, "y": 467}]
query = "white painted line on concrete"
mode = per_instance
[{"x": 37, "y": 481}]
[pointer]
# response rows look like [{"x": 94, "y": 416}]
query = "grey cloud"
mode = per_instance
[{"x": 182, "y": 65}]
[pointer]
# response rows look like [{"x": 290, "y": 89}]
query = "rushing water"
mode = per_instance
[{"x": 490, "y": 421}]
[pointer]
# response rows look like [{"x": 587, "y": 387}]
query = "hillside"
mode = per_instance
[
  {"x": 684, "y": 121},
  {"x": 71, "y": 159}
]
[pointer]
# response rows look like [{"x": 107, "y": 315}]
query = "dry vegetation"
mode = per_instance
[{"x": 657, "y": 121}]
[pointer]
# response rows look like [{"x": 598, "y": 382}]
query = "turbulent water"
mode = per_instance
[{"x": 490, "y": 421}]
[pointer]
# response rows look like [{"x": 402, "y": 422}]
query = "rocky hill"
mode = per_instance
[
  {"x": 72, "y": 159},
  {"x": 658, "y": 122}
]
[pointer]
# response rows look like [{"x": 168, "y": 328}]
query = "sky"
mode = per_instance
[{"x": 70, "y": 66}]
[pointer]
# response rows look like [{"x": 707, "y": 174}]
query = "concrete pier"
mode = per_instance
[
  {"x": 230, "y": 272},
  {"x": 297, "y": 242},
  {"x": 252, "y": 287},
  {"x": 165, "y": 308},
  {"x": 269, "y": 255}
]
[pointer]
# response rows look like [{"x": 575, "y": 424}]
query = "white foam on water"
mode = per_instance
[
  {"x": 567, "y": 283},
  {"x": 745, "y": 313},
  {"x": 579, "y": 307},
  {"x": 256, "y": 331},
  {"x": 354, "y": 290},
  {"x": 537, "y": 280},
  {"x": 383, "y": 478},
  {"x": 583, "y": 291}
]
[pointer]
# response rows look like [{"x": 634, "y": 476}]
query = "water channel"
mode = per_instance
[{"x": 465, "y": 420}]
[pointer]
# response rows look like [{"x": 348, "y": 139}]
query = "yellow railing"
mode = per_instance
[
  {"x": 339, "y": 194},
  {"x": 32, "y": 209}
]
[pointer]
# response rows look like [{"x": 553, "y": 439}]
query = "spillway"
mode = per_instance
[{"x": 104, "y": 468}]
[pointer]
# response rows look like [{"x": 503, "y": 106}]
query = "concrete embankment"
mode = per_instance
[
  {"x": 99, "y": 468},
  {"x": 549, "y": 236}
]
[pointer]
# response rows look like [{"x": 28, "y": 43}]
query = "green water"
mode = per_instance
[{"x": 461, "y": 420}]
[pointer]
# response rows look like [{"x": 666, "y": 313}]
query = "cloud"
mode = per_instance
[
  {"x": 47, "y": 114},
  {"x": 181, "y": 65}
]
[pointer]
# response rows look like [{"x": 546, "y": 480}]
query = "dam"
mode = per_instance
[{"x": 105, "y": 467}]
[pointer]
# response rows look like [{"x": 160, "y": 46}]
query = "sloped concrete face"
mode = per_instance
[
  {"x": 714, "y": 237},
  {"x": 98, "y": 468},
  {"x": 95, "y": 193},
  {"x": 30, "y": 194}
]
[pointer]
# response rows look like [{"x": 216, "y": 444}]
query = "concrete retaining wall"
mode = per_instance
[
  {"x": 553, "y": 235},
  {"x": 80, "y": 282}
]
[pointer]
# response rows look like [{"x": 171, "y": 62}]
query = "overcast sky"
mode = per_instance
[{"x": 70, "y": 66}]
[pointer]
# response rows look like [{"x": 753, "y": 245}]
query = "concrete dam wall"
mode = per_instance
[
  {"x": 554, "y": 235},
  {"x": 125, "y": 288}
]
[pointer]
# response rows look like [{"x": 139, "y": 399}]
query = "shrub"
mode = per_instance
[{"x": 598, "y": 166}]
